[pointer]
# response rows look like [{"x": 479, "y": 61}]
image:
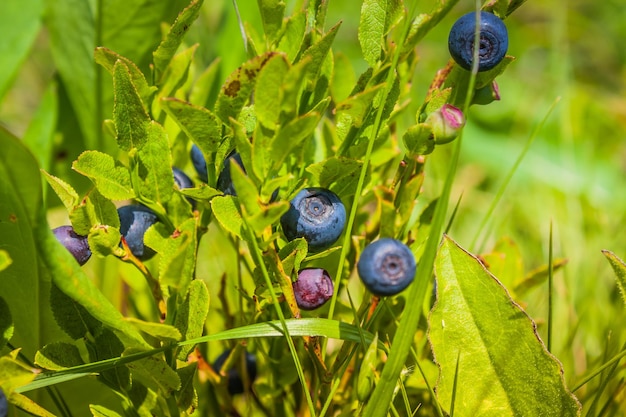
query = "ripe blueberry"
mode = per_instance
[
  {"x": 317, "y": 215},
  {"x": 235, "y": 383},
  {"x": 386, "y": 266},
  {"x": 134, "y": 221},
  {"x": 181, "y": 179},
  {"x": 313, "y": 288},
  {"x": 224, "y": 181},
  {"x": 76, "y": 244},
  {"x": 4, "y": 406},
  {"x": 494, "y": 41},
  {"x": 199, "y": 163}
]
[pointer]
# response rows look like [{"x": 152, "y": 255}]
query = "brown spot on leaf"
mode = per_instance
[
  {"x": 232, "y": 88},
  {"x": 13, "y": 218}
]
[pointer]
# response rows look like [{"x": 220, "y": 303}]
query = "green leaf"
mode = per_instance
[
  {"x": 107, "y": 58},
  {"x": 72, "y": 317},
  {"x": 100, "y": 411},
  {"x": 267, "y": 216},
  {"x": 106, "y": 346},
  {"x": 227, "y": 213},
  {"x": 204, "y": 88},
  {"x": 40, "y": 134},
  {"x": 272, "y": 12},
  {"x": 175, "y": 78},
  {"x": 202, "y": 192},
  {"x": 372, "y": 29},
  {"x": 65, "y": 192},
  {"x": 72, "y": 51},
  {"x": 20, "y": 23},
  {"x": 358, "y": 105},
  {"x": 238, "y": 86},
  {"x": 339, "y": 174},
  {"x": 174, "y": 37},
  {"x": 291, "y": 136},
  {"x": 186, "y": 397},
  {"x": 24, "y": 281},
  {"x": 367, "y": 378},
  {"x": 191, "y": 315},
  {"x": 6, "y": 321},
  {"x": 199, "y": 124},
  {"x": 293, "y": 36},
  {"x": 155, "y": 166},
  {"x": 318, "y": 52},
  {"x": 129, "y": 112},
  {"x": 56, "y": 356},
  {"x": 268, "y": 92},
  {"x": 247, "y": 194},
  {"x": 161, "y": 331},
  {"x": 179, "y": 257},
  {"x": 423, "y": 23},
  {"x": 619, "y": 267},
  {"x": 419, "y": 140},
  {"x": 496, "y": 343},
  {"x": 94, "y": 210},
  {"x": 110, "y": 177},
  {"x": 154, "y": 373}
]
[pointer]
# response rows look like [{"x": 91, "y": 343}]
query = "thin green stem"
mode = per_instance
[
  {"x": 550, "y": 291},
  {"x": 256, "y": 252}
]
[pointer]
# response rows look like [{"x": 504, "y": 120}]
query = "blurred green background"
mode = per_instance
[{"x": 572, "y": 177}]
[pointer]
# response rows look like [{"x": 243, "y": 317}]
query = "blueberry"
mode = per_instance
[
  {"x": 76, "y": 244},
  {"x": 313, "y": 288},
  {"x": 4, "y": 406},
  {"x": 494, "y": 41},
  {"x": 181, "y": 179},
  {"x": 199, "y": 163},
  {"x": 317, "y": 215},
  {"x": 386, "y": 266},
  {"x": 134, "y": 221},
  {"x": 224, "y": 181},
  {"x": 235, "y": 383}
]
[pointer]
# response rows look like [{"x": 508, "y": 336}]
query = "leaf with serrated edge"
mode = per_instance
[
  {"x": 129, "y": 113},
  {"x": 318, "y": 52},
  {"x": 619, "y": 267},
  {"x": 107, "y": 58},
  {"x": 65, "y": 192},
  {"x": 272, "y": 12},
  {"x": 268, "y": 91},
  {"x": 236, "y": 90},
  {"x": 227, "y": 214},
  {"x": 161, "y": 331},
  {"x": 154, "y": 373},
  {"x": 476, "y": 323},
  {"x": 57, "y": 356},
  {"x": 155, "y": 166},
  {"x": 110, "y": 176},
  {"x": 199, "y": 124},
  {"x": 192, "y": 314},
  {"x": 167, "y": 48}
]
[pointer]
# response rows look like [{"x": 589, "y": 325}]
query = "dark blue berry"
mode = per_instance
[
  {"x": 224, "y": 180},
  {"x": 181, "y": 179},
  {"x": 494, "y": 41},
  {"x": 317, "y": 215},
  {"x": 76, "y": 244},
  {"x": 235, "y": 382},
  {"x": 313, "y": 288},
  {"x": 4, "y": 406},
  {"x": 199, "y": 163},
  {"x": 386, "y": 266},
  {"x": 134, "y": 221}
]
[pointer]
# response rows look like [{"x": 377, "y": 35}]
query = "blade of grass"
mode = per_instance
[
  {"x": 510, "y": 174},
  {"x": 550, "y": 291},
  {"x": 601, "y": 369},
  {"x": 454, "y": 384},
  {"x": 403, "y": 338},
  {"x": 256, "y": 252}
]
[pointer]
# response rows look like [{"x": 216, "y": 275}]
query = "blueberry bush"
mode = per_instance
[{"x": 185, "y": 215}]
